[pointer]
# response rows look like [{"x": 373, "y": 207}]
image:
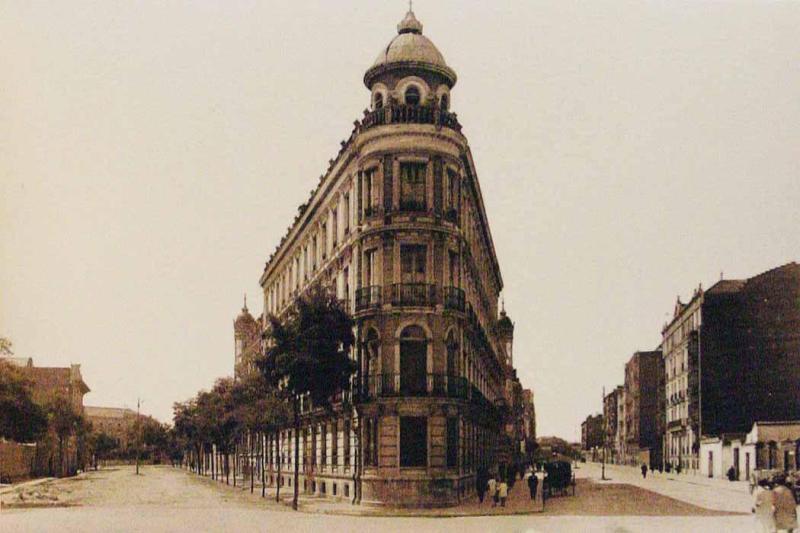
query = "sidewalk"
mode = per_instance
[
  {"x": 5, "y": 489},
  {"x": 592, "y": 498},
  {"x": 717, "y": 494}
]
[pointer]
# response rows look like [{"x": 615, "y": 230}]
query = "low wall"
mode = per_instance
[{"x": 16, "y": 461}]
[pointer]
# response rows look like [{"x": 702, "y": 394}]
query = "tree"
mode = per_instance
[
  {"x": 260, "y": 411},
  {"x": 103, "y": 445},
  {"x": 6, "y": 347},
  {"x": 308, "y": 356},
  {"x": 65, "y": 421},
  {"x": 21, "y": 419},
  {"x": 186, "y": 426}
]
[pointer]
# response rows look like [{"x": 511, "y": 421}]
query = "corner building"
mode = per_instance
[{"x": 397, "y": 228}]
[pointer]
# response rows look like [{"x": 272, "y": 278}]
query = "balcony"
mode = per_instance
[
  {"x": 413, "y": 294},
  {"x": 454, "y": 299},
  {"x": 410, "y": 114},
  {"x": 413, "y": 206},
  {"x": 368, "y": 298},
  {"x": 430, "y": 385}
]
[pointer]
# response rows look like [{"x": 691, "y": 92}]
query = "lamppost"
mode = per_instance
[{"x": 138, "y": 434}]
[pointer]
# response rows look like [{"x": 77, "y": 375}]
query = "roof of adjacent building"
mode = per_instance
[{"x": 107, "y": 412}]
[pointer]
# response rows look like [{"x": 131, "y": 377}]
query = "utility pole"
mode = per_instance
[
  {"x": 605, "y": 422},
  {"x": 138, "y": 434}
]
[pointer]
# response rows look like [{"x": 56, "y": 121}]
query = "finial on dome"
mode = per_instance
[
  {"x": 244, "y": 309},
  {"x": 410, "y": 24}
]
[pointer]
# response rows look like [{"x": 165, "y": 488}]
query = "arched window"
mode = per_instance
[
  {"x": 378, "y": 101},
  {"x": 444, "y": 102},
  {"x": 413, "y": 361},
  {"x": 412, "y": 95}
]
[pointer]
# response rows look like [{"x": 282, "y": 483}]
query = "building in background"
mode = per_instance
[
  {"x": 397, "y": 229},
  {"x": 247, "y": 342},
  {"x": 592, "y": 436},
  {"x": 49, "y": 386},
  {"x": 116, "y": 422},
  {"x": 731, "y": 358},
  {"x": 642, "y": 391},
  {"x": 611, "y": 423}
]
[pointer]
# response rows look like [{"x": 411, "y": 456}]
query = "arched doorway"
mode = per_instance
[{"x": 413, "y": 361}]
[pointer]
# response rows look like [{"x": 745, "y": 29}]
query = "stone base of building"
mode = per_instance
[{"x": 416, "y": 492}]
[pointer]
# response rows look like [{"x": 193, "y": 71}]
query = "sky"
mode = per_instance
[{"x": 152, "y": 154}]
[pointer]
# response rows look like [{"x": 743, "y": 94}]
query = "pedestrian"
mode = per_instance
[
  {"x": 764, "y": 506},
  {"x": 533, "y": 484},
  {"x": 785, "y": 506},
  {"x": 503, "y": 493},
  {"x": 644, "y": 471},
  {"x": 492, "y": 484},
  {"x": 480, "y": 483}
]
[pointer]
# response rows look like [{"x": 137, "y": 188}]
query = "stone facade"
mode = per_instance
[
  {"x": 592, "y": 433},
  {"x": 732, "y": 357},
  {"x": 397, "y": 229},
  {"x": 642, "y": 391}
]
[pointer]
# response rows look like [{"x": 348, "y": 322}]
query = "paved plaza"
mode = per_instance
[{"x": 167, "y": 499}]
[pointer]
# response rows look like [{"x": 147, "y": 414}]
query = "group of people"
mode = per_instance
[
  {"x": 497, "y": 487},
  {"x": 774, "y": 504}
]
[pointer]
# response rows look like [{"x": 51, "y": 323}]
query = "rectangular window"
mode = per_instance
[
  {"x": 334, "y": 227},
  {"x": 412, "y": 187},
  {"x": 413, "y": 258},
  {"x": 413, "y": 441},
  {"x": 335, "y": 443},
  {"x": 324, "y": 233},
  {"x": 369, "y": 190},
  {"x": 452, "y": 442},
  {"x": 313, "y": 446},
  {"x": 346, "y": 442},
  {"x": 323, "y": 445},
  {"x": 314, "y": 252},
  {"x": 346, "y": 212},
  {"x": 454, "y": 268},
  {"x": 370, "y": 268}
]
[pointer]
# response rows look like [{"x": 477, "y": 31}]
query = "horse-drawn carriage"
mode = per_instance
[{"x": 559, "y": 479}]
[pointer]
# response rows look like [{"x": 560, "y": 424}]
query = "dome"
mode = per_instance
[
  {"x": 245, "y": 320},
  {"x": 412, "y": 48}
]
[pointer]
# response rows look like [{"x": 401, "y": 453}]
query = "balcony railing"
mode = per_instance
[
  {"x": 410, "y": 114},
  {"x": 368, "y": 298},
  {"x": 413, "y": 206},
  {"x": 428, "y": 385},
  {"x": 416, "y": 294},
  {"x": 454, "y": 298}
]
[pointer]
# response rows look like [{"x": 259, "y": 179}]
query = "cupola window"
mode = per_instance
[
  {"x": 378, "y": 101},
  {"x": 444, "y": 102},
  {"x": 412, "y": 95}
]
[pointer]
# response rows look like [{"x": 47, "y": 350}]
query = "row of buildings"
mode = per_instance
[
  {"x": 728, "y": 367},
  {"x": 397, "y": 229},
  {"x": 47, "y": 456}
]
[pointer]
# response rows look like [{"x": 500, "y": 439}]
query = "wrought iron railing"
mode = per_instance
[
  {"x": 368, "y": 298},
  {"x": 430, "y": 385},
  {"x": 454, "y": 298},
  {"x": 415, "y": 294},
  {"x": 410, "y": 114}
]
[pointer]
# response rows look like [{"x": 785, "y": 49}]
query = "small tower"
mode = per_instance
[
  {"x": 245, "y": 328},
  {"x": 505, "y": 330}
]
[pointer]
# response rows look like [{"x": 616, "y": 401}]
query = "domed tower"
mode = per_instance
[
  {"x": 505, "y": 330},
  {"x": 245, "y": 334},
  {"x": 396, "y": 227}
]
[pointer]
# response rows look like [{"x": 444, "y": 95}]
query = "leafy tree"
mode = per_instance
[
  {"x": 260, "y": 411},
  {"x": 21, "y": 419},
  {"x": 307, "y": 356},
  {"x": 65, "y": 421},
  {"x": 6, "y": 347},
  {"x": 104, "y": 445},
  {"x": 187, "y": 427}
]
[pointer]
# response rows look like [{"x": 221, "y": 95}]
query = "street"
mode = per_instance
[{"x": 167, "y": 499}]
